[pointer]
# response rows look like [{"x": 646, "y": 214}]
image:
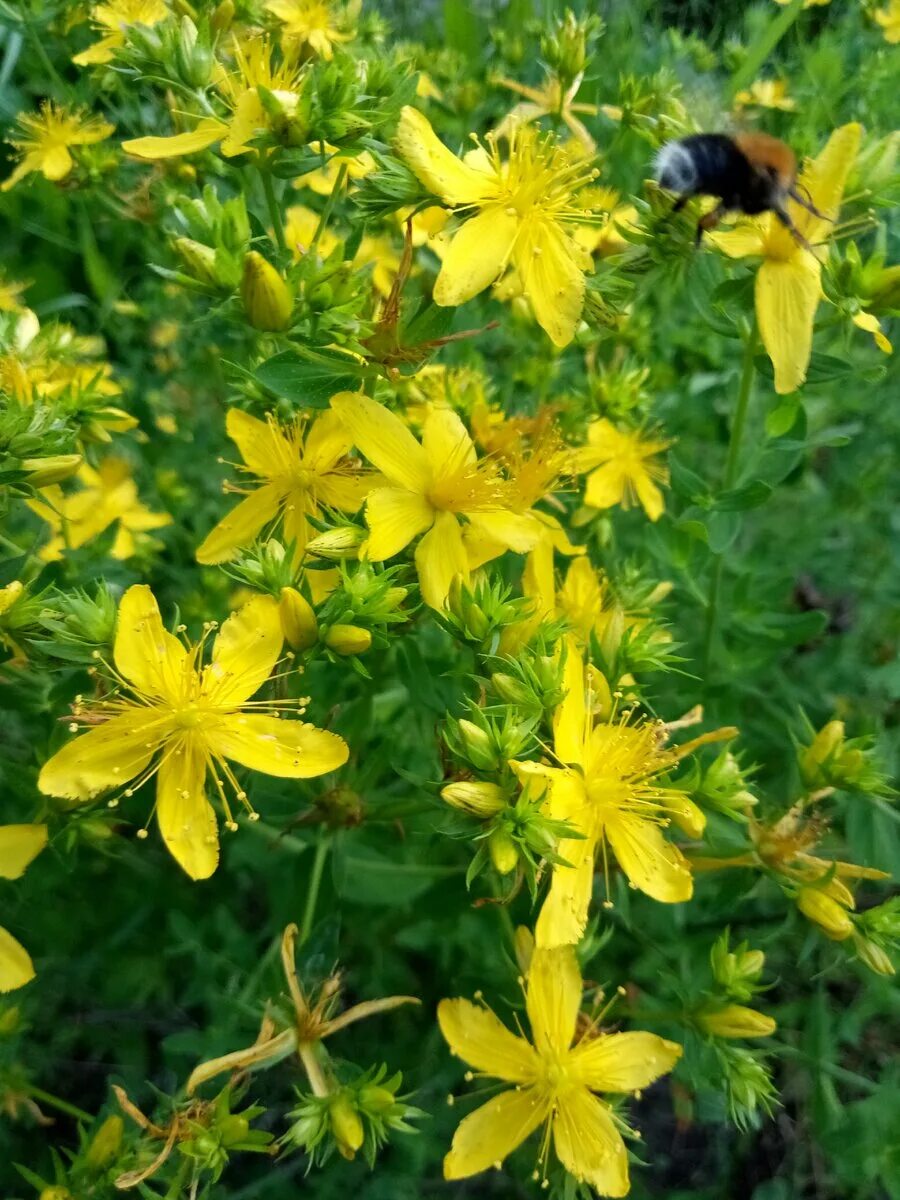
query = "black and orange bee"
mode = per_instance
[{"x": 750, "y": 173}]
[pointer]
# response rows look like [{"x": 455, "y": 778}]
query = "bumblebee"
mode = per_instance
[{"x": 750, "y": 173}]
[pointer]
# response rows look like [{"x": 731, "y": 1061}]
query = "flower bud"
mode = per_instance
[
  {"x": 267, "y": 298},
  {"x": 477, "y": 797},
  {"x": 687, "y": 815},
  {"x": 193, "y": 55},
  {"x": 10, "y": 594},
  {"x": 199, "y": 260},
  {"x": 105, "y": 1143},
  {"x": 824, "y": 747},
  {"x": 298, "y": 620},
  {"x": 348, "y": 639},
  {"x": 233, "y": 1129},
  {"x": 478, "y": 745},
  {"x": 874, "y": 956},
  {"x": 375, "y": 1099},
  {"x": 512, "y": 690},
  {"x": 223, "y": 15},
  {"x": 832, "y": 919},
  {"x": 346, "y": 1125},
  {"x": 337, "y": 544},
  {"x": 41, "y": 472},
  {"x": 504, "y": 852},
  {"x": 737, "y": 1021},
  {"x": 56, "y": 1193},
  {"x": 10, "y": 1021},
  {"x": 523, "y": 942}
]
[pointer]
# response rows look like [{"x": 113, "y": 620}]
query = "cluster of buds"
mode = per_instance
[
  {"x": 478, "y": 613},
  {"x": 735, "y": 977},
  {"x": 36, "y": 444},
  {"x": 76, "y": 626},
  {"x": 749, "y": 1089},
  {"x": 568, "y": 46},
  {"x": 834, "y": 761},
  {"x": 487, "y": 742},
  {"x": 532, "y": 681},
  {"x": 723, "y": 786},
  {"x": 91, "y": 1168},
  {"x": 181, "y": 51},
  {"x": 213, "y": 239}
]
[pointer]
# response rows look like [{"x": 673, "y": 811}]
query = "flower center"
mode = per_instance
[{"x": 188, "y": 717}]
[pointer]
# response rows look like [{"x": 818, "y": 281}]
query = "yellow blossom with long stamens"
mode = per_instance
[
  {"x": 554, "y": 1078},
  {"x": 112, "y": 21},
  {"x": 604, "y": 786},
  {"x": 298, "y": 468},
  {"x": 182, "y": 721},
  {"x": 19, "y": 846},
  {"x": 549, "y": 100},
  {"x": 256, "y": 68},
  {"x": 108, "y": 496},
  {"x": 621, "y": 468},
  {"x": 432, "y": 485},
  {"x": 44, "y": 141},
  {"x": 789, "y": 281},
  {"x": 516, "y": 213},
  {"x": 315, "y": 24}
]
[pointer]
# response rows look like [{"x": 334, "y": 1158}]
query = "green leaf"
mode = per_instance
[
  {"x": 781, "y": 419},
  {"x": 462, "y": 28},
  {"x": 721, "y": 530},
  {"x": 310, "y": 378},
  {"x": 687, "y": 483},
  {"x": 751, "y": 495}
]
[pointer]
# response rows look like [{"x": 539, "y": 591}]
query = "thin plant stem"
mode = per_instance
[
  {"x": 732, "y": 466},
  {"x": 64, "y": 1106},
  {"x": 274, "y": 210},
  {"x": 760, "y": 50},
  {"x": 315, "y": 882}
]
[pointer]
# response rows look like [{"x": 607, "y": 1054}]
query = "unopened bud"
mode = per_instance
[
  {"x": 53, "y": 469},
  {"x": 523, "y": 942},
  {"x": 831, "y": 917},
  {"x": 199, "y": 260},
  {"x": 504, "y": 852},
  {"x": 298, "y": 620},
  {"x": 193, "y": 55},
  {"x": 478, "y": 745},
  {"x": 267, "y": 298},
  {"x": 687, "y": 815},
  {"x": 346, "y": 1125},
  {"x": 10, "y": 594},
  {"x": 375, "y": 1099},
  {"x": 223, "y": 15},
  {"x": 874, "y": 956},
  {"x": 337, "y": 544},
  {"x": 105, "y": 1143},
  {"x": 348, "y": 639},
  {"x": 511, "y": 690},
  {"x": 478, "y": 797},
  {"x": 737, "y": 1021}
]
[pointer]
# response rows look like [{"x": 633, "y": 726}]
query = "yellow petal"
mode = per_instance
[
  {"x": 263, "y": 446},
  {"x": 623, "y": 1062},
  {"x": 570, "y": 718},
  {"x": 105, "y": 757},
  {"x": 648, "y": 493},
  {"x": 588, "y": 1144},
  {"x": 552, "y": 280},
  {"x": 185, "y": 816},
  {"x": 395, "y": 517},
  {"x": 16, "y": 967},
  {"x": 244, "y": 653},
  {"x": 493, "y": 1131},
  {"x": 446, "y": 442},
  {"x": 870, "y": 323},
  {"x": 563, "y": 916},
  {"x": 274, "y": 746},
  {"x": 605, "y": 486},
  {"x": 346, "y": 492},
  {"x": 514, "y": 531},
  {"x": 56, "y": 163},
  {"x": 440, "y": 556},
  {"x": 19, "y": 846},
  {"x": 553, "y": 998},
  {"x": 209, "y": 130},
  {"x": 149, "y": 657},
  {"x": 825, "y": 179},
  {"x": 651, "y": 863},
  {"x": 787, "y": 296},
  {"x": 480, "y": 1039},
  {"x": 327, "y": 441},
  {"x": 746, "y": 240},
  {"x": 242, "y": 525},
  {"x": 435, "y": 166},
  {"x": 477, "y": 255},
  {"x": 384, "y": 440}
]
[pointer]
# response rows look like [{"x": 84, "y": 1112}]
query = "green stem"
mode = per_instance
[
  {"x": 64, "y": 1106},
  {"x": 732, "y": 467},
  {"x": 760, "y": 50},
  {"x": 315, "y": 882},
  {"x": 274, "y": 209},
  {"x": 329, "y": 206},
  {"x": 37, "y": 46}
]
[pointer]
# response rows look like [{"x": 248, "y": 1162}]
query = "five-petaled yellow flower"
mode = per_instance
[
  {"x": 44, "y": 141},
  {"x": 766, "y": 93},
  {"x": 112, "y": 21},
  {"x": 789, "y": 281},
  {"x": 621, "y": 466},
  {"x": 182, "y": 721},
  {"x": 314, "y": 23},
  {"x": 240, "y": 92},
  {"x": 108, "y": 496},
  {"x": 19, "y": 846},
  {"x": 554, "y": 1078},
  {"x": 516, "y": 215},
  {"x": 299, "y": 467},
  {"x": 432, "y": 485},
  {"x": 604, "y": 787}
]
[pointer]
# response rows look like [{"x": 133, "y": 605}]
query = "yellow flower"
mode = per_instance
[
  {"x": 181, "y": 720},
  {"x": 314, "y": 23},
  {"x": 322, "y": 182},
  {"x": 766, "y": 93},
  {"x": 44, "y": 141},
  {"x": 300, "y": 228},
  {"x": 621, "y": 468},
  {"x": 889, "y": 20},
  {"x": 108, "y": 496},
  {"x": 11, "y": 292},
  {"x": 554, "y": 1077},
  {"x": 298, "y": 468},
  {"x": 789, "y": 281},
  {"x": 604, "y": 786},
  {"x": 112, "y": 21},
  {"x": 870, "y": 323},
  {"x": 431, "y": 485},
  {"x": 240, "y": 94},
  {"x": 607, "y": 239},
  {"x": 549, "y": 101},
  {"x": 590, "y": 607},
  {"x": 19, "y": 846},
  {"x": 515, "y": 214}
]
